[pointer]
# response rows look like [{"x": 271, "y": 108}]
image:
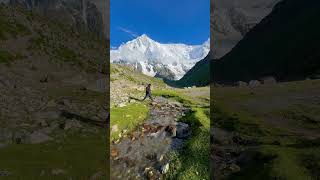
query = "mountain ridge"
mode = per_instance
[{"x": 170, "y": 60}]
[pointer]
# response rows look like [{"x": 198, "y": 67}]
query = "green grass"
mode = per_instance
[
  {"x": 127, "y": 117},
  {"x": 248, "y": 112},
  {"x": 80, "y": 157}
]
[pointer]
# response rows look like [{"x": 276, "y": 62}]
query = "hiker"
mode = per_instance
[{"x": 148, "y": 92}]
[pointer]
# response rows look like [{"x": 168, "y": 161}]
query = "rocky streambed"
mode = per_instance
[{"x": 143, "y": 153}]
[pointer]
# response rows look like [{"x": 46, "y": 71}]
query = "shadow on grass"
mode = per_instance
[{"x": 140, "y": 100}]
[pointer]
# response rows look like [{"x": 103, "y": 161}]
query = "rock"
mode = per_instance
[
  {"x": 114, "y": 152},
  {"x": 44, "y": 79},
  {"x": 97, "y": 176},
  {"x": 43, "y": 123},
  {"x": 122, "y": 105},
  {"x": 2, "y": 145},
  {"x": 132, "y": 101},
  {"x": 161, "y": 158},
  {"x": 4, "y": 173},
  {"x": 58, "y": 171},
  {"x": 254, "y": 83},
  {"x": 268, "y": 80},
  {"x": 39, "y": 137},
  {"x": 234, "y": 168},
  {"x": 51, "y": 103},
  {"x": 72, "y": 124},
  {"x": 242, "y": 84},
  {"x": 21, "y": 137},
  {"x": 165, "y": 168},
  {"x": 172, "y": 130},
  {"x": 114, "y": 128},
  {"x": 183, "y": 130}
]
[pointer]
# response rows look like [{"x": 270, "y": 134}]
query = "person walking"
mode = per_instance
[{"x": 148, "y": 92}]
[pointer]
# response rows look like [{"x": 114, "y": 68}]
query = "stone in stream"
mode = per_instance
[
  {"x": 165, "y": 168},
  {"x": 183, "y": 130},
  {"x": 171, "y": 130},
  {"x": 114, "y": 152}
]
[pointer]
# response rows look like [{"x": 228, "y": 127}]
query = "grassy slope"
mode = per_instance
[
  {"x": 80, "y": 158},
  {"x": 128, "y": 117},
  {"x": 80, "y": 154},
  {"x": 268, "y": 115},
  {"x": 193, "y": 161}
]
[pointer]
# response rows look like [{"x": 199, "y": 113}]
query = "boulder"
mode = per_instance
[
  {"x": 183, "y": 130},
  {"x": 122, "y": 105},
  {"x": 268, "y": 80},
  {"x": 58, "y": 171},
  {"x": 165, "y": 168},
  {"x": 39, "y": 137},
  {"x": 114, "y": 128},
  {"x": 254, "y": 83},
  {"x": 72, "y": 124},
  {"x": 242, "y": 84}
]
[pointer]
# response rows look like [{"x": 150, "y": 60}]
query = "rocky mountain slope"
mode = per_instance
[
  {"x": 89, "y": 15},
  {"x": 152, "y": 58},
  {"x": 53, "y": 81},
  {"x": 286, "y": 51},
  {"x": 231, "y": 20}
]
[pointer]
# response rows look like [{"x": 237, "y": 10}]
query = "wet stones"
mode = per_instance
[
  {"x": 165, "y": 168},
  {"x": 114, "y": 152},
  {"x": 171, "y": 130},
  {"x": 183, "y": 130}
]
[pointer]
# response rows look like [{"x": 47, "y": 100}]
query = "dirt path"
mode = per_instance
[{"x": 143, "y": 153}]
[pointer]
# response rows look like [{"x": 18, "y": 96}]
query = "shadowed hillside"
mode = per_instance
[{"x": 283, "y": 45}]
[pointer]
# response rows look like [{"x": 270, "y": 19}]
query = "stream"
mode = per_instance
[{"x": 142, "y": 154}]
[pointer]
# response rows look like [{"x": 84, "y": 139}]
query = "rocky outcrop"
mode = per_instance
[{"x": 83, "y": 14}]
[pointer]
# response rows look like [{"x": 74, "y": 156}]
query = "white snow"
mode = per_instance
[{"x": 151, "y": 57}]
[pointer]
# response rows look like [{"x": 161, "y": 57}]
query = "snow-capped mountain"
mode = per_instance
[{"x": 152, "y": 58}]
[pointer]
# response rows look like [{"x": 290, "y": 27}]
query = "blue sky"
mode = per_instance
[{"x": 166, "y": 21}]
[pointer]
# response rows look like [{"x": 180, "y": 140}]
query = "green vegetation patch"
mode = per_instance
[
  {"x": 126, "y": 118},
  {"x": 78, "y": 157}
]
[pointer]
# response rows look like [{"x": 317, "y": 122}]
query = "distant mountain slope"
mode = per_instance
[
  {"x": 152, "y": 58},
  {"x": 197, "y": 76},
  {"x": 231, "y": 20},
  {"x": 285, "y": 45}
]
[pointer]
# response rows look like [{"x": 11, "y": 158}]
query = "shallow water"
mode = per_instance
[{"x": 142, "y": 154}]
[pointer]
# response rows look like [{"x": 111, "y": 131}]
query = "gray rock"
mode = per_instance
[
  {"x": 183, "y": 130},
  {"x": 58, "y": 171},
  {"x": 268, "y": 80},
  {"x": 254, "y": 83},
  {"x": 39, "y": 137},
  {"x": 4, "y": 173},
  {"x": 72, "y": 124},
  {"x": 114, "y": 128},
  {"x": 242, "y": 84},
  {"x": 165, "y": 168}
]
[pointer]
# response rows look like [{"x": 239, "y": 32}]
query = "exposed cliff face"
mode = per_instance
[{"x": 87, "y": 15}]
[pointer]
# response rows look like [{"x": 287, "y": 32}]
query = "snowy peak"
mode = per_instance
[{"x": 152, "y": 58}]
